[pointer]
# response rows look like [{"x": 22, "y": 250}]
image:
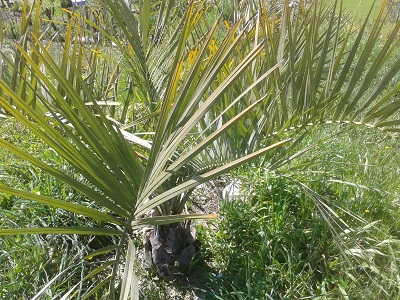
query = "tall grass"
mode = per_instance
[{"x": 273, "y": 243}]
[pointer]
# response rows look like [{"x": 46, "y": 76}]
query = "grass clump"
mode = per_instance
[
  {"x": 276, "y": 245},
  {"x": 333, "y": 236},
  {"x": 272, "y": 247}
]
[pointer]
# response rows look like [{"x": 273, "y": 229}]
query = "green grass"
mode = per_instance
[
  {"x": 28, "y": 262},
  {"x": 274, "y": 244},
  {"x": 360, "y": 8},
  {"x": 270, "y": 247},
  {"x": 364, "y": 165}
]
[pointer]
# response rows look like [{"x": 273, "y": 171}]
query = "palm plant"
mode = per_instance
[{"x": 254, "y": 88}]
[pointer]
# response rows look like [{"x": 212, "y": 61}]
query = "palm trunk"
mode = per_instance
[{"x": 170, "y": 248}]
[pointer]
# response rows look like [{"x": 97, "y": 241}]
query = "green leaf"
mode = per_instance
[
  {"x": 162, "y": 220},
  {"x": 179, "y": 189},
  {"x": 129, "y": 285},
  {"x": 61, "y": 230},
  {"x": 144, "y": 15},
  {"x": 100, "y": 251},
  {"x": 96, "y": 288},
  {"x": 71, "y": 207}
]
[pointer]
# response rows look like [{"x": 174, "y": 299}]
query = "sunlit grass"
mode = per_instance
[
  {"x": 360, "y": 8},
  {"x": 274, "y": 244}
]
